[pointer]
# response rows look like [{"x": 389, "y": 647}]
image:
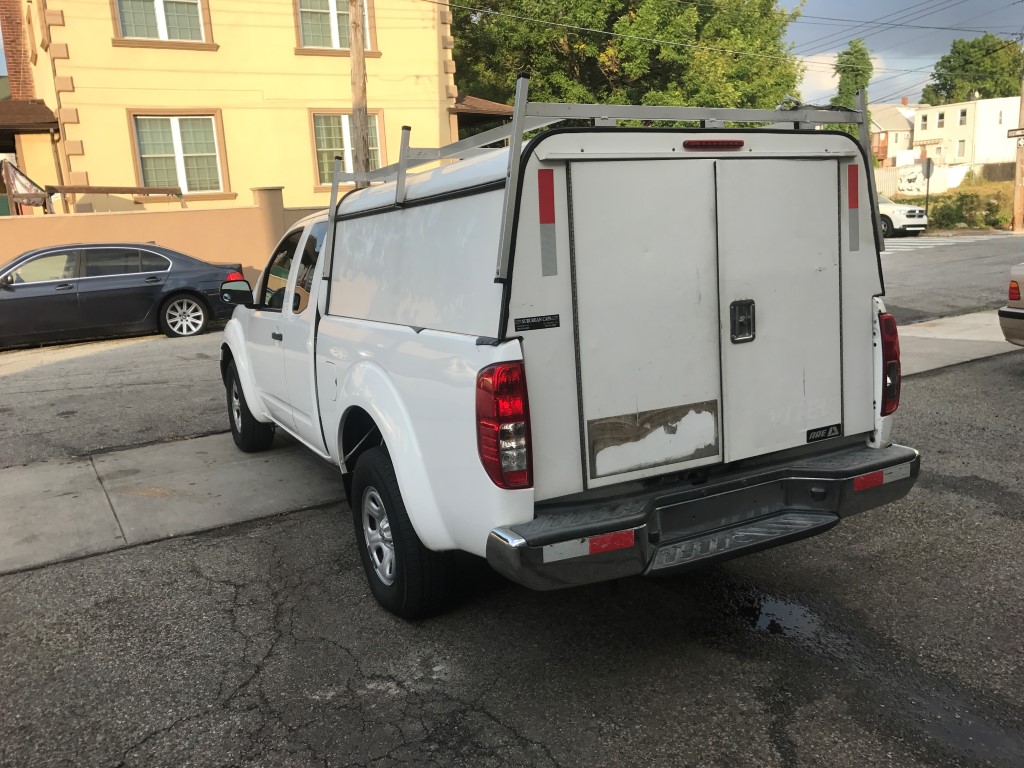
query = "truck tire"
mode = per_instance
[
  {"x": 405, "y": 577},
  {"x": 887, "y": 230},
  {"x": 249, "y": 434}
]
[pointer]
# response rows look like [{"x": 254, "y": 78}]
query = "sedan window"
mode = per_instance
[
  {"x": 102, "y": 262},
  {"x": 154, "y": 262},
  {"x": 52, "y": 266}
]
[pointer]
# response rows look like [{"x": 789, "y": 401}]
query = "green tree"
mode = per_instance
[
  {"x": 854, "y": 68},
  {"x": 987, "y": 64},
  {"x": 720, "y": 53}
]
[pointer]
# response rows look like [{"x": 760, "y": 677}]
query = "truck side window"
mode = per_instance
[
  {"x": 307, "y": 266},
  {"x": 275, "y": 277}
]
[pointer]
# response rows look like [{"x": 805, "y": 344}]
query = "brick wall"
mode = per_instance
[{"x": 16, "y": 48}]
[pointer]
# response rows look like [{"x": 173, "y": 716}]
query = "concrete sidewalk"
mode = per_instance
[
  {"x": 57, "y": 510},
  {"x": 951, "y": 340}
]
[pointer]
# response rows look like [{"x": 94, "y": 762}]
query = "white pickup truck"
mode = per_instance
[{"x": 602, "y": 352}]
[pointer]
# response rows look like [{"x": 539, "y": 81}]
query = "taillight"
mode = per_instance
[
  {"x": 890, "y": 364},
  {"x": 503, "y": 425},
  {"x": 232, "y": 276},
  {"x": 1014, "y": 291}
]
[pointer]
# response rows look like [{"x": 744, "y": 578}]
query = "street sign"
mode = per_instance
[
  {"x": 1015, "y": 133},
  {"x": 928, "y": 167}
]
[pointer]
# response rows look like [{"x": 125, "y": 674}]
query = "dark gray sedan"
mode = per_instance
[{"x": 68, "y": 292}]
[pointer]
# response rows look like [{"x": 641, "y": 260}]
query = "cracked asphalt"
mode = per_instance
[{"x": 892, "y": 640}]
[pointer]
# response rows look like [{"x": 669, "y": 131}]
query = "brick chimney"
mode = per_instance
[
  {"x": 905, "y": 100},
  {"x": 16, "y": 47}
]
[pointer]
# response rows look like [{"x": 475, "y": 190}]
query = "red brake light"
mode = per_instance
[
  {"x": 232, "y": 276},
  {"x": 1014, "y": 291},
  {"x": 503, "y": 425},
  {"x": 713, "y": 144},
  {"x": 891, "y": 373}
]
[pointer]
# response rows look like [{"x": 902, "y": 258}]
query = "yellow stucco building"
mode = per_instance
[{"x": 221, "y": 96}]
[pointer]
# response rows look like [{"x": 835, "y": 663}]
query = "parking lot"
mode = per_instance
[{"x": 892, "y": 640}]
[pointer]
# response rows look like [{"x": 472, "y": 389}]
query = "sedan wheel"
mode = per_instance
[{"x": 183, "y": 316}]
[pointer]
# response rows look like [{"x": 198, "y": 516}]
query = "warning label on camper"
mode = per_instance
[{"x": 536, "y": 323}]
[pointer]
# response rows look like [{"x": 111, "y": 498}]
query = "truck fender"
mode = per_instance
[
  {"x": 369, "y": 387},
  {"x": 234, "y": 340}
]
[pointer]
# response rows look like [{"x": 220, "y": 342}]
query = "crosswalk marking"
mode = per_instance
[{"x": 903, "y": 244}]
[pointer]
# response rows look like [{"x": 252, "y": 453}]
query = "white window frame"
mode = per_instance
[
  {"x": 924, "y": 122},
  {"x": 940, "y": 121},
  {"x": 963, "y": 117},
  {"x": 332, "y": 9},
  {"x": 346, "y": 136},
  {"x": 179, "y": 152},
  {"x": 961, "y": 148},
  {"x": 161, "y": 23}
]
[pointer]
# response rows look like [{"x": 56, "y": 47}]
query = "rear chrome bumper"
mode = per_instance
[
  {"x": 1011, "y": 320},
  {"x": 678, "y": 527}
]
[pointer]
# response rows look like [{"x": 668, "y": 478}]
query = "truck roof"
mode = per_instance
[{"x": 486, "y": 168}]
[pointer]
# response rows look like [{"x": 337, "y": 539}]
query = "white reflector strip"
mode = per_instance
[
  {"x": 717, "y": 543},
  {"x": 564, "y": 550}
]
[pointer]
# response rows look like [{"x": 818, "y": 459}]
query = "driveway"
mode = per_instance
[{"x": 73, "y": 400}]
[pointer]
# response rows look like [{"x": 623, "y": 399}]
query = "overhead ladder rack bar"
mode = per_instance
[{"x": 530, "y": 116}]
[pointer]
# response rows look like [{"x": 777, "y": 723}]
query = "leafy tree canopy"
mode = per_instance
[
  {"x": 854, "y": 68},
  {"x": 715, "y": 53},
  {"x": 988, "y": 64}
]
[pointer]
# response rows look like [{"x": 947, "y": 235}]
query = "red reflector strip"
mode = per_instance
[
  {"x": 610, "y": 541},
  {"x": 591, "y": 545},
  {"x": 872, "y": 480},
  {"x": 853, "y": 185},
  {"x": 710, "y": 144},
  {"x": 881, "y": 477},
  {"x": 546, "y": 193}
]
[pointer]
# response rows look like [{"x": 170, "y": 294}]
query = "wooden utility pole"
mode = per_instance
[
  {"x": 359, "y": 121},
  {"x": 1018, "y": 181}
]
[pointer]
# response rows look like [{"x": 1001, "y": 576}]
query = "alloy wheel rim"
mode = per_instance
[
  {"x": 377, "y": 534},
  {"x": 236, "y": 406},
  {"x": 185, "y": 317}
]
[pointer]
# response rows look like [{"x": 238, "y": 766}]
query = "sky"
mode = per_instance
[
  {"x": 818, "y": 36},
  {"x": 895, "y": 49}
]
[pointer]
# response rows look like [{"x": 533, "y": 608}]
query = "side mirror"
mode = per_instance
[
  {"x": 7, "y": 281},
  {"x": 237, "y": 292}
]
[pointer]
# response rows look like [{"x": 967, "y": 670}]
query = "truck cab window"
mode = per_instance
[
  {"x": 307, "y": 266},
  {"x": 275, "y": 277}
]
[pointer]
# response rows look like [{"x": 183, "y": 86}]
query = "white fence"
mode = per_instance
[{"x": 909, "y": 179}]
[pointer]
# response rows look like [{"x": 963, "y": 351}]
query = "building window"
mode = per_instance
[
  {"x": 1000, "y": 117},
  {"x": 961, "y": 147},
  {"x": 332, "y": 136},
  {"x": 179, "y": 20},
  {"x": 324, "y": 24},
  {"x": 963, "y": 117},
  {"x": 941, "y": 120},
  {"x": 924, "y": 122},
  {"x": 184, "y": 151}
]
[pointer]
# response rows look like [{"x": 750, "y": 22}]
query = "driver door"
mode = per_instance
[
  {"x": 41, "y": 301},
  {"x": 266, "y": 332}
]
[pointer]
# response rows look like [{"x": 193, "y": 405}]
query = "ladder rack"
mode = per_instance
[{"x": 533, "y": 115}]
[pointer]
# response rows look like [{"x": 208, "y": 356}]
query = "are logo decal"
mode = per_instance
[{"x": 824, "y": 433}]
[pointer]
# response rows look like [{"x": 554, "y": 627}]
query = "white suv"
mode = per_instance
[{"x": 898, "y": 219}]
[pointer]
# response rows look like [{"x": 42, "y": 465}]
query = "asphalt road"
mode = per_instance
[
  {"x": 943, "y": 276},
  {"x": 892, "y": 640},
  {"x": 79, "y": 399}
]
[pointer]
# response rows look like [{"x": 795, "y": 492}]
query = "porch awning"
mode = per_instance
[{"x": 29, "y": 116}]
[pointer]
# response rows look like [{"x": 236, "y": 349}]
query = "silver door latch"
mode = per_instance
[{"x": 741, "y": 316}]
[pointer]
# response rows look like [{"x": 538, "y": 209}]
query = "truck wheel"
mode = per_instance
[
  {"x": 405, "y": 577},
  {"x": 249, "y": 435},
  {"x": 886, "y": 227}
]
